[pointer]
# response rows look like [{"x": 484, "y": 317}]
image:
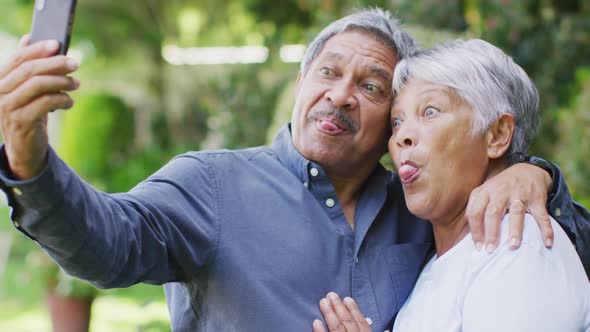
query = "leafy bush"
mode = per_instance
[
  {"x": 573, "y": 148},
  {"x": 96, "y": 138}
]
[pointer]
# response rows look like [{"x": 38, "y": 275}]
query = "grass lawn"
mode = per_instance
[{"x": 22, "y": 296}]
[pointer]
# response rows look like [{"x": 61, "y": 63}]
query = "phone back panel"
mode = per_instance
[{"x": 53, "y": 19}]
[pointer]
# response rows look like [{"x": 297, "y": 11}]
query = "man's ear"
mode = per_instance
[
  {"x": 499, "y": 136},
  {"x": 298, "y": 85}
]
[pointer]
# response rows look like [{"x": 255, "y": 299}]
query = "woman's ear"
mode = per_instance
[{"x": 499, "y": 136}]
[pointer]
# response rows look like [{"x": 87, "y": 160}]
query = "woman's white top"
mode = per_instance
[{"x": 530, "y": 289}]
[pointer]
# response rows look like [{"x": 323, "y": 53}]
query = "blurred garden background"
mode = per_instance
[{"x": 163, "y": 77}]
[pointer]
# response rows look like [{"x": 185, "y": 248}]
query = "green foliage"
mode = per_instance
[
  {"x": 55, "y": 280},
  {"x": 31, "y": 271},
  {"x": 573, "y": 147},
  {"x": 282, "y": 112},
  {"x": 68, "y": 286},
  {"x": 97, "y": 142},
  {"x": 434, "y": 14},
  {"x": 137, "y": 167},
  {"x": 550, "y": 40},
  {"x": 118, "y": 28},
  {"x": 96, "y": 137},
  {"x": 246, "y": 106},
  {"x": 19, "y": 20}
]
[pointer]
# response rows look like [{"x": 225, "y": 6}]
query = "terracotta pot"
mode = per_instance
[{"x": 69, "y": 314}]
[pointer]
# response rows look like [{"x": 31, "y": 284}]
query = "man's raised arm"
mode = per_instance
[{"x": 111, "y": 240}]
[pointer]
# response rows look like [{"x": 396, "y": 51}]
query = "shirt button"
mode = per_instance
[
  {"x": 306, "y": 185},
  {"x": 314, "y": 172},
  {"x": 16, "y": 224},
  {"x": 369, "y": 320},
  {"x": 558, "y": 212},
  {"x": 330, "y": 203},
  {"x": 17, "y": 191}
]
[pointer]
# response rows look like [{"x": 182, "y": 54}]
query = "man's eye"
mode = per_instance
[
  {"x": 430, "y": 111},
  {"x": 395, "y": 123},
  {"x": 326, "y": 71},
  {"x": 372, "y": 88}
]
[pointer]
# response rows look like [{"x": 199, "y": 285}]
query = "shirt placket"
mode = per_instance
[
  {"x": 360, "y": 283},
  {"x": 362, "y": 290},
  {"x": 368, "y": 207},
  {"x": 323, "y": 191}
]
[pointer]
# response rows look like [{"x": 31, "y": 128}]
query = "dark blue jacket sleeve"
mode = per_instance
[
  {"x": 573, "y": 217},
  {"x": 165, "y": 229}
]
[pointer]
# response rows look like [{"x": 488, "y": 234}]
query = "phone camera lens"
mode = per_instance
[{"x": 40, "y": 4}]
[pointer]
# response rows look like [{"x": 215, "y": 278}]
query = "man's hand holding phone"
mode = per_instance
[{"x": 33, "y": 83}]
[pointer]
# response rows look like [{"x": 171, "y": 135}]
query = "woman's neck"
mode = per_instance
[
  {"x": 451, "y": 229},
  {"x": 449, "y": 232}
]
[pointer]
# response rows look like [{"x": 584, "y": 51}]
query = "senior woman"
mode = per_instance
[{"x": 444, "y": 95}]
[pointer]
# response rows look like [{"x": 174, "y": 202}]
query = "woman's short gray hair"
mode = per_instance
[
  {"x": 376, "y": 21},
  {"x": 486, "y": 78}
]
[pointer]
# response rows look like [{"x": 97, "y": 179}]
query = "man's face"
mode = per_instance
[{"x": 341, "y": 115}]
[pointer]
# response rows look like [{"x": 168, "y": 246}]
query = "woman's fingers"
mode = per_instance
[
  {"x": 330, "y": 316},
  {"x": 341, "y": 315},
  {"x": 344, "y": 316},
  {"x": 356, "y": 314},
  {"x": 318, "y": 326}
]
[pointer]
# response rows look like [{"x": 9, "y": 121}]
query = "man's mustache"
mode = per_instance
[{"x": 342, "y": 116}]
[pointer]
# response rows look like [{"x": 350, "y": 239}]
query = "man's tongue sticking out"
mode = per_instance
[{"x": 330, "y": 126}]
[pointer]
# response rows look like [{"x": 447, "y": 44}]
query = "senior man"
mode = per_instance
[{"x": 250, "y": 240}]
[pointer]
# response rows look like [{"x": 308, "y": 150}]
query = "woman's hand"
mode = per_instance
[
  {"x": 341, "y": 315},
  {"x": 519, "y": 189}
]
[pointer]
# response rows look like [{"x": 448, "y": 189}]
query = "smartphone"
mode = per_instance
[{"x": 53, "y": 19}]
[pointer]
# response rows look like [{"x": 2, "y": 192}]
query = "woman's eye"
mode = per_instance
[{"x": 430, "y": 111}]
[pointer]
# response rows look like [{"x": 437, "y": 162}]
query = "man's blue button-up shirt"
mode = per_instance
[{"x": 245, "y": 240}]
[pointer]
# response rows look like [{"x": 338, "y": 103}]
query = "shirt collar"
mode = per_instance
[
  {"x": 289, "y": 156},
  {"x": 300, "y": 167}
]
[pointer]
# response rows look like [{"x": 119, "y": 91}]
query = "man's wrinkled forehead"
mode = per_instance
[
  {"x": 331, "y": 52},
  {"x": 376, "y": 70},
  {"x": 374, "y": 35}
]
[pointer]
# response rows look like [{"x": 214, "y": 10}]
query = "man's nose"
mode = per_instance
[{"x": 342, "y": 95}]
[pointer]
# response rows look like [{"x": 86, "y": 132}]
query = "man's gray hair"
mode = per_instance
[
  {"x": 375, "y": 21},
  {"x": 486, "y": 78}
]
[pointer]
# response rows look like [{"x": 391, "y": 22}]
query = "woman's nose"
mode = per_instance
[{"x": 405, "y": 136}]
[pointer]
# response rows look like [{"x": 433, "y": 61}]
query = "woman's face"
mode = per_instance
[{"x": 438, "y": 158}]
